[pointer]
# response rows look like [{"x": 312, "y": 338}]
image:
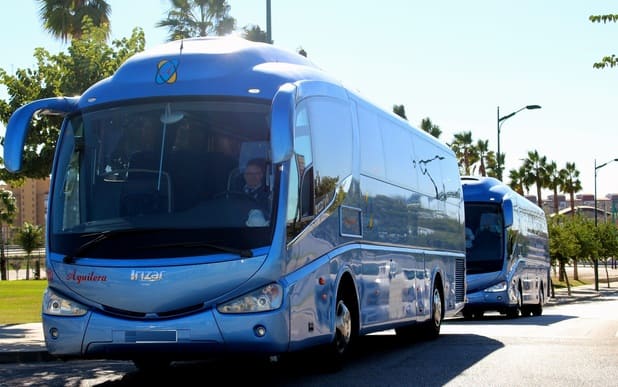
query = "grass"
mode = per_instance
[
  {"x": 572, "y": 282},
  {"x": 21, "y": 300}
]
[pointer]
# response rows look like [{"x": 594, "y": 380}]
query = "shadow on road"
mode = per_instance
[{"x": 377, "y": 360}]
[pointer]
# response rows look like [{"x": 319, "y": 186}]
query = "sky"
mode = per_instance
[{"x": 458, "y": 63}]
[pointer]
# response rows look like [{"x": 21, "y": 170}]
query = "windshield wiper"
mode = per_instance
[
  {"x": 245, "y": 253},
  {"x": 100, "y": 237}
]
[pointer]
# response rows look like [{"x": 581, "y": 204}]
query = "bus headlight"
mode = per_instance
[
  {"x": 499, "y": 287},
  {"x": 267, "y": 298},
  {"x": 57, "y": 305}
]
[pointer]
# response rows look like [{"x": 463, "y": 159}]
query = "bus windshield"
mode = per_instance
[
  {"x": 200, "y": 167},
  {"x": 484, "y": 233}
]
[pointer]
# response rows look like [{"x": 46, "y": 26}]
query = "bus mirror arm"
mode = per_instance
[{"x": 19, "y": 123}]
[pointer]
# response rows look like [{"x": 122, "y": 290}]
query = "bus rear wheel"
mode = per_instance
[
  {"x": 431, "y": 327},
  {"x": 537, "y": 309}
]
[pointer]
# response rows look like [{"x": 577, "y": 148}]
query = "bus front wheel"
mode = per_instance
[
  {"x": 514, "y": 311},
  {"x": 335, "y": 352}
]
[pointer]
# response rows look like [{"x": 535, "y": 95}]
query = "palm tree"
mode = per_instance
[
  {"x": 482, "y": 148},
  {"x": 7, "y": 215},
  {"x": 30, "y": 237},
  {"x": 518, "y": 180},
  {"x": 536, "y": 173},
  {"x": 64, "y": 18},
  {"x": 571, "y": 184},
  {"x": 430, "y": 128},
  {"x": 256, "y": 34},
  {"x": 464, "y": 150},
  {"x": 192, "y": 18},
  {"x": 555, "y": 179}
]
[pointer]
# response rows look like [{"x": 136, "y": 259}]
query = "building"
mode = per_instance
[{"x": 31, "y": 203}]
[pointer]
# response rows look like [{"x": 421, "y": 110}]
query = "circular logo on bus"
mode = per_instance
[{"x": 166, "y": 71}]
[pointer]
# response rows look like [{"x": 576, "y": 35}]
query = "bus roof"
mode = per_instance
[
  {"x": 482, "y": 188},
  {"x": 223, "y": 66},
  {"x": 490, "y": 189}
]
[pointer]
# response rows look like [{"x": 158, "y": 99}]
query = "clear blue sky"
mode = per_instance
[{"x": 450, "y": 60}]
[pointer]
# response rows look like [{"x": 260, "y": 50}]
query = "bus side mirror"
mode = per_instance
[
  {"x": 282, "y": 123},
  {"x": 17, "y": 127},
  {"x": 507, "y": 210}
]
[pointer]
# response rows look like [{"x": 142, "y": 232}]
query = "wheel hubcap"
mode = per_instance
[
  {"x": 437, "y": 308},
  {"x": 343, "y": 326}
]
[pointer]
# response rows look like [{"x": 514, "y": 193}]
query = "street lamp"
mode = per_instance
[
  {"x": 500, "y": 121},
  {"x": 269, "y": 34},
  {"x": 596, "y": 222}
]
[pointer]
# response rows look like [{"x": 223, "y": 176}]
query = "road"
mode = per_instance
[{"x": 570, "y": 345}]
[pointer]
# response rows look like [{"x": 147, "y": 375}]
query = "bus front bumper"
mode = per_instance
[{"x": 95, "y": 335}]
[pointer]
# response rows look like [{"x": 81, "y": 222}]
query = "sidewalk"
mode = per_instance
[{"x": 22, "y": 343}]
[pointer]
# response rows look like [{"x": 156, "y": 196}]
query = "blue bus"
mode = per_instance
[
  {"x": 507, "y": 250},
  {"x": 156, "y": 254}
]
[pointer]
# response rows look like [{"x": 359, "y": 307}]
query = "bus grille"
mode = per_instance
[{"x": 460, "y": 280}]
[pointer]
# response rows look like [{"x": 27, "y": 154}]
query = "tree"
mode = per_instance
[
  {"x": 571, "y": 184},
  {"x": 64, "y": 18},
  {"x": 611, "y": 60},
  {"x": 482, "y": 149},
  {"x": 518, "y": 180},
  {"x": 562, "y": 245},
  {"x": 464, "y": 151},
  {"x": 7, "y": 215},
  {"x": 588, "y": 239},
  {"x": 555, "y": 179},
  {"x": 255, "y": 34},
  {"x": 608, "y": 238},
  {"x": 535, "y": 166},
  {"x": 88, "y": 60},
  {"x": 430, "y": 128},
  {"x": 30, "y": 237},
  {"x": 193, "y": 18},
  {"x": 400, "y": 110}
]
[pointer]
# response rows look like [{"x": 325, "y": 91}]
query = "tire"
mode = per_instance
[
  {"x": 537, "y": 309},
  {"x": 514, "y": 311},
  {"x": 431, "y": 328},
  {"x": 337, "y": 350}
]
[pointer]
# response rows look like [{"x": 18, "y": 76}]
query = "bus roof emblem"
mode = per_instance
[{"x": 166, "y": 71}]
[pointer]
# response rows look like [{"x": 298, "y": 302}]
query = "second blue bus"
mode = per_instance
[{"x": 507, "y": 251}]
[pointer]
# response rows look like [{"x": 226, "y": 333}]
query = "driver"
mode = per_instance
[{"x": 254, "y": 183}]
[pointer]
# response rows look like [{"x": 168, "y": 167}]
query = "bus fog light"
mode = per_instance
[
  {"x": 53, "y": 332},
  {"x": 259, "y": 330}
]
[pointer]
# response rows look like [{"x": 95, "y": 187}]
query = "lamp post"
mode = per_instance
[
  {"x": 269, "y": 37},
  {"x": 596, "y": 222},
  {"x": 500, "y": 121}
]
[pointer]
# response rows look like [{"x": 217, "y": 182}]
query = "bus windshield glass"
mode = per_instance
[
  {"x": 200, "y": 167},
  {"x": 484, "y": 238}
]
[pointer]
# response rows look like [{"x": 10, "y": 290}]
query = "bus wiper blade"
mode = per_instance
[
  {"x": 245, "y": 253},
  {"x": 101, "y": 236}
]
